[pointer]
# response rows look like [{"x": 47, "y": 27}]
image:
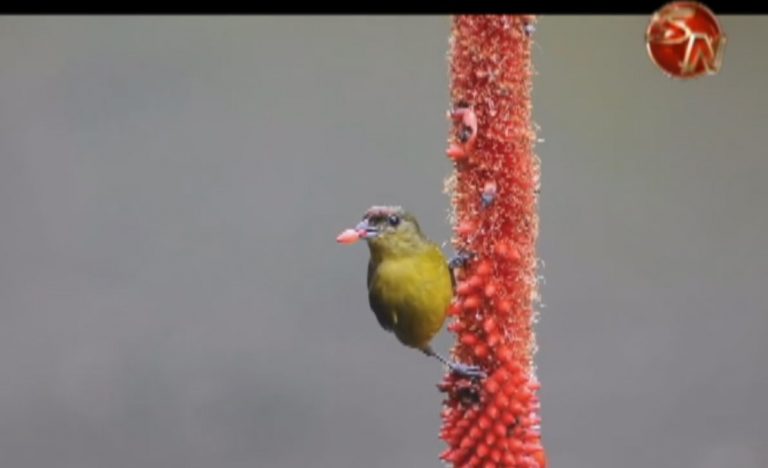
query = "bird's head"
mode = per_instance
[{"x": 388, "y": 230}]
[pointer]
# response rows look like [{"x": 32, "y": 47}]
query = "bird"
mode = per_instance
[{"x": 410, "y": 282}]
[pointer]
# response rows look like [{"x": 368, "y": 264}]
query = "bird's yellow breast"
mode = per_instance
[{"x": 415, "y": 292}]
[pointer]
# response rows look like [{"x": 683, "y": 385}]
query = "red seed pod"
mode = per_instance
[
  {"x": 484, "y": 268},
  {"x": 489, "y": 325},
  {"x": 453, "y": 309},
  {"x": 541, "y": 458},
  {"x": 500, "y": 429},
  {"x": 517, "y": 407},
  {"x": 467, "y": 120},
  {"x": 468, "y": 339},
  {"x": 531, "y": 436},
  {"x": 490, "y": 438},
  {"x": 514, "y": 254},
  {"x": 463, "y": 288},
  {"x": 490, "y": 187},
  {"x": 502, "y": 249},
  {"x": 465, "y": 228},
  {"x": 502, "y": 401},
  {"x": 493, "y": 339},
  {"x": 504, "y": 307},
  {"x": 489, "y": 194},
  {"x": 504, "y": 353},
  {"x": 492, "y": 412},
  {"x": 492, "y": 386},
  {"x": 456, "y": 327},
  {"x": 524, "y": 393},
  {"x": 472, "y": 303},
  {"x": 482, "y": 450},
  {"x": 490, "y": 289},
  {"x": 496, "y": 455},
  {"x": 481, "y": 350},
  {"x": 509, "y": 459},
  {"x": 475, "y": 282},
  {"x": 456, "y": 152},
  {"x": 484, "y": 422}
]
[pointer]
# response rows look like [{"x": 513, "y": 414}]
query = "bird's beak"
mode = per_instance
[
  {"x": 366, "y": 230},
  {"x": 363, "y": 230}
]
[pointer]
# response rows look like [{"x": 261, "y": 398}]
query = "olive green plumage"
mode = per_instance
[{"x": 409, "y": 282}]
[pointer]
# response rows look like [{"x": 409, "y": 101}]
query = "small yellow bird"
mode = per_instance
[{"x": 410, "y": 283}]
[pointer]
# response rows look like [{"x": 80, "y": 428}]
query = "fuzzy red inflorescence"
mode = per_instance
[{"x": 493, "y": 422}]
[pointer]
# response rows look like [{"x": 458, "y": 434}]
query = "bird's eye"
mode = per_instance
[{"x": 394, "y": 220}]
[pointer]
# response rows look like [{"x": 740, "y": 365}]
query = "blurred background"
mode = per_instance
[{"x": 171, "y": 294}]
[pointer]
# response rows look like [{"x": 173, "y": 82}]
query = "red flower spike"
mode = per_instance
[{"x": 491, "y": 79}]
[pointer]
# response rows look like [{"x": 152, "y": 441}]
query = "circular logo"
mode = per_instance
[{"x": 684, "y": 40}]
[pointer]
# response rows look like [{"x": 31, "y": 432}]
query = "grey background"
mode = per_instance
[{"x": 171, "y": 294}]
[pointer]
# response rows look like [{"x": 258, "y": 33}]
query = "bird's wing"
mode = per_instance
[{"x": 383, "y": 314}]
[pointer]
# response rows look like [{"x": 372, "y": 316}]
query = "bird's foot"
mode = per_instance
[
  {"x": 464, "y": 370},
  {"x": 460, "y": 259}
]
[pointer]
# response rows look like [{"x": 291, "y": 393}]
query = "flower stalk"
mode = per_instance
[{"x": 493, "y": 422}]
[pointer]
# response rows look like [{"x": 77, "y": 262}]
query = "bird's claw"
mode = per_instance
[
  {"x": 460, "y": 259},
  {"x": 471, "y": 372}
]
